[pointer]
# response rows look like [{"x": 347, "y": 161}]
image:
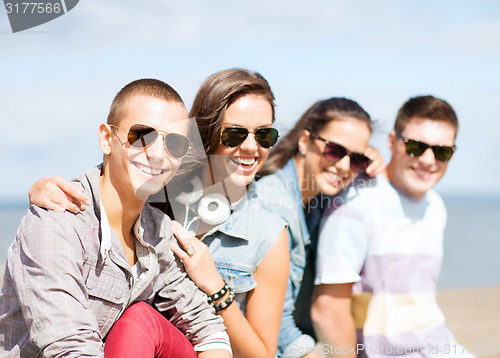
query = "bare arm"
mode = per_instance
[
  {"x": 378, "y": 165},
  {"x": 58, "y": 194},
  {"x": 255, "y": 335},
  {"x": 331, "y": 315}
]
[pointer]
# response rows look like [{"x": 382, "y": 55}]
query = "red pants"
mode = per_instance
[{"x": 143, "y": 332}]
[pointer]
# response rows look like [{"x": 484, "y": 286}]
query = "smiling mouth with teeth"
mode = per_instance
[
  {"x": 241, "y": 161},
  {"x": 148, "y": 170}
]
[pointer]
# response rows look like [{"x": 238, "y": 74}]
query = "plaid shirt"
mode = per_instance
[{"x": 64, "y": 288}]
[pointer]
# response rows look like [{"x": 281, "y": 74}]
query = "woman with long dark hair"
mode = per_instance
[{"x": 325, "y": 150}]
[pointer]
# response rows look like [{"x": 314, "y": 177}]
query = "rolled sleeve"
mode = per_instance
[
  {"x": 182, "y": 302},
  {"x": 46, "y": 264}
]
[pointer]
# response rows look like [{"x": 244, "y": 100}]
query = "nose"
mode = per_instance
[
  {"x": 344, "y": 164},
  {"x": 249, "y": 144},
  {"x": 427, "y": 157},
  {"x": 156, "y": 151}
]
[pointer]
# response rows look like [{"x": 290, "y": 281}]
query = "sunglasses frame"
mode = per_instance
[
  {"x": 249, "y": 131},
  {"x": 346, "y": 151},
  {"x": 434, "y": 148},
  {"x": 159, "y": 133}
]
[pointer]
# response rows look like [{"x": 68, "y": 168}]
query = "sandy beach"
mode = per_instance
[{"x": 473, "y": 315}]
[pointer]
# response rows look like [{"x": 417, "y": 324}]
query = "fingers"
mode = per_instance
[
  {"x": 58, "y": 194},
  {"x": 75, "y": 195},
  {"x": 378, "y": 165},
  {"x": 183, "y": 236},
  {"x": 47, "y": 204},
  {"x": 180, "y": 253}
]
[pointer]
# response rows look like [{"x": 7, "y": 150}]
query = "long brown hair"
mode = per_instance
[
  {"x": 217, "y": 93},
  {"x": 314, "y": 119}
]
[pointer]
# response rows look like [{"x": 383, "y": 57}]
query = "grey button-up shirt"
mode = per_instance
[{"x": 63, "y": 289}]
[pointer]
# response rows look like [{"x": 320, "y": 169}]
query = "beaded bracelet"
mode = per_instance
[
  {"x": 224, "y": 304},
  {"x": 219, "y": 294}
]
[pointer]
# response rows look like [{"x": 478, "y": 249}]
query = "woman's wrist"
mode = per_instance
[
  {"x": 219, "y": 294},
  {"x": 214, "y": 287},
  {"x": 225, "y": 303},
  {"x": 221, "y": 299}
]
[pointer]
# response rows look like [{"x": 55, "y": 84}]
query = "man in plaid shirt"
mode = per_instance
[{"x": 70, "y": 277}]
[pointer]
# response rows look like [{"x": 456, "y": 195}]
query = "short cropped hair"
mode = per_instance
[
  {"x": 427, "y": 107},
  {"x": 145, "y": 87}
]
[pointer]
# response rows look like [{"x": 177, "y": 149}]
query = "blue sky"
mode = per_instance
[{"x": 58, "y": 80}]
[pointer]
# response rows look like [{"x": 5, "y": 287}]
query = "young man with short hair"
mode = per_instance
[
  {"x": 70, "y": 277},
  {"x": 380, "y": 253}
]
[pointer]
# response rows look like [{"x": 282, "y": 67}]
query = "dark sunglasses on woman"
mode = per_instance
[
  {"x": 142, "y": 136},
  {"x": 415, "y": 148},
  {"x": 334, "y": 152},
  {"x": 233, "y": 136}
]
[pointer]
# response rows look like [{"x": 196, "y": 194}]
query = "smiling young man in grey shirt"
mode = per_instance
[{"x": 70, "y": 277}]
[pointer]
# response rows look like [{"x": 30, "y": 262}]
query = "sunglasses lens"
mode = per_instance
[
  {"x": 443, "y": 153},
  {"x": 334, "y": 152},
  {"x": 177, "y": 145},
  {"x": 141, "y": 136},
  {"x": 415, "y": 149},
  {"x": 233, "y": 136},
  {"x": 266, "y": 137},
  {"x": 359, "y": 162}
]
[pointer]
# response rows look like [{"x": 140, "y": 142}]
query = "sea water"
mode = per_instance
[{"x": 471, "y": 244}]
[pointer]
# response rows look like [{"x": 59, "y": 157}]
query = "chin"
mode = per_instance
[
  {"x": 144, "y": 188},
  {"x": 328, "y": 188},
  {"x": 239, "y": 179}
]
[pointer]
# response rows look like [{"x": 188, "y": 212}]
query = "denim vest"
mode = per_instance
[
  {"x": 241, "y": 242},
  {"x": 281, "y": 192}
]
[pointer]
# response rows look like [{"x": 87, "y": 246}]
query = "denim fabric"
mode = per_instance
[
  {"x": 281, "y": 192},
  {"x": 240, "y": 243}
]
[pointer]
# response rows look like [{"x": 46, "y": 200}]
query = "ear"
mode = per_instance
[
  {"x": 105, "y": 138},
  {"x": 303, "y": 142},
  {"x": 391, "y": 141}
]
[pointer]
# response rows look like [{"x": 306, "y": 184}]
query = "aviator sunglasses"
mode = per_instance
[
  {"x": 415, "y": 148},
  {"x": 233, "y": 136},
  {"x": 334, "y": 152},
  {"x": 142, "y": 136}
]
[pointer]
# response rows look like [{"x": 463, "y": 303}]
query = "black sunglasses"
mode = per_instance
[
  {"x": 142, "y": 136},
  {"x": 334, "y": 152},
  {"x": 415, "y": 148},
  {"x": 234, "y": 136}
]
